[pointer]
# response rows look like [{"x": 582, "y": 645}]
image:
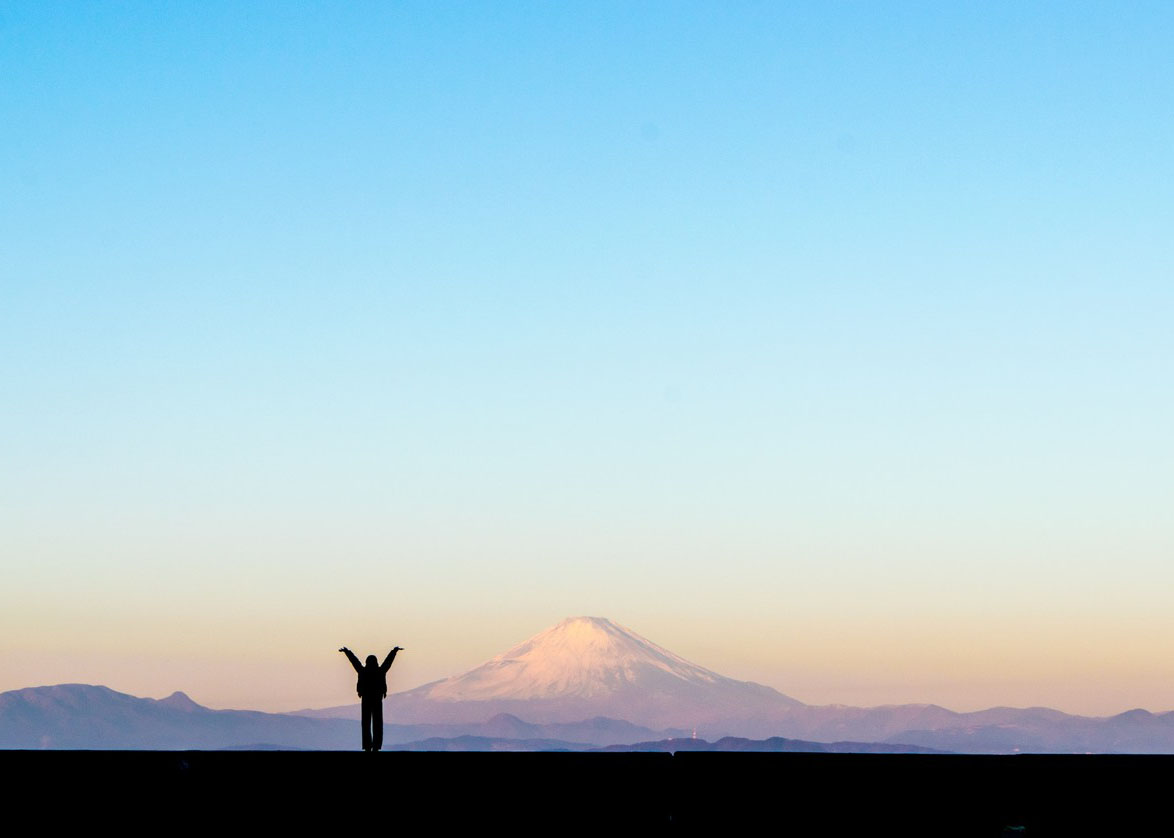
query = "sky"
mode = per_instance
[{"x": 827, "y": 345}]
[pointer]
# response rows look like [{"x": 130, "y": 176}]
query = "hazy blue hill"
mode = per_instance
[
  {"x": 88, "y": 717},
  {"x": 775, "y": 744},
  {"x": 489, "y": 743},
  {"x": 82, "y": 716},
  {"x": 1039, "y": 730}
]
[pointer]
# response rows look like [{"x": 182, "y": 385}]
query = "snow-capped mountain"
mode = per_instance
[
  {"x": 583, "y": 657},
  {"x": 591, "y": 666}
]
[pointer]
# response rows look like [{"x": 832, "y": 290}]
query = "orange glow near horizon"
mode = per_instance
[{"x": 1077, "y": 667}]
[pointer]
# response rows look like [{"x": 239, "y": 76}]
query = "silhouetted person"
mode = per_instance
[{"x": 372, "y": 689}]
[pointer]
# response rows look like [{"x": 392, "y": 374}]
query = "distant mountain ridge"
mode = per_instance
[
  {"x": 586, "y": 682},
  {"x": 88, "y": 717},
  {"x": 774, "y": 745}
]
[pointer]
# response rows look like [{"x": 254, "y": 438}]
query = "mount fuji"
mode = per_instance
[
  {"x": 584, "y": 682},
  {"x": 592, "y": 671},
  {"x": 588, "y": 667}
]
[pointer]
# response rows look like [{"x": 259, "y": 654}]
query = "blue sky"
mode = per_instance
[{"x": 798, "y": 337}]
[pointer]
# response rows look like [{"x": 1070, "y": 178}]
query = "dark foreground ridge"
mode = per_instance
[{"x": 682, "y": 793}]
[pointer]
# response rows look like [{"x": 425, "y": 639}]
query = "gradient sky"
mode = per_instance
[{"x": 829, "y": 345}]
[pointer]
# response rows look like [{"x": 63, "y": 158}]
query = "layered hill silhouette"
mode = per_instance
[
  {"x": 773, "y": 745},
  {"x": 586, "y": 682},
  {"x": 88, "y": 717}
]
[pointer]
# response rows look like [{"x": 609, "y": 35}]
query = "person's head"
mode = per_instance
[{"x": 372, "y": 661}]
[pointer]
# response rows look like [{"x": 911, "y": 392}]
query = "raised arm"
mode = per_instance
[
  {"x": 387, "y": 661},
  {"x": 351, "y": 657}
]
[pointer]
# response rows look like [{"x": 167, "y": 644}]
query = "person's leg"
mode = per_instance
[
  {"x": 377, "y": 725},
  {"x": 366, "y": 725}
]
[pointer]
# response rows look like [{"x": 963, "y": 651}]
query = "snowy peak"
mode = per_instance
[
  {"x": 581, "y": 657},
  {"x": 590, "y": 666}
]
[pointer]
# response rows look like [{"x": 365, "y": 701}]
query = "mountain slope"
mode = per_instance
[
  {"x": 584, "y": 657},
  {"x": 82, "y": 716},
  {"x": 585, "y": 667},
  {"x": 87, "y": 717}
]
